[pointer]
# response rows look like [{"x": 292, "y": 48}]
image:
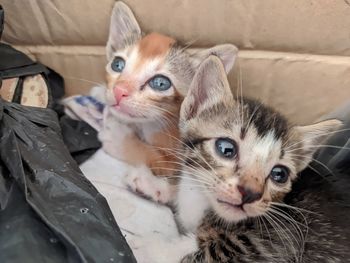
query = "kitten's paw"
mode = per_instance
[{"x": 142, "y": 181}]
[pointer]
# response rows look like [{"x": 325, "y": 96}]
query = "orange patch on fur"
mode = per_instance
[
  {"x": 166, "y": 163},
  {"x": 162, "y": 163},
  {"x": 154, "y": 45}
]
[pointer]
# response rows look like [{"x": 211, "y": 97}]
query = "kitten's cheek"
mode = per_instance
[
  {"x": 257, "y": 209},
  {"x": 110, "y": 98},
  {"x": 125, "y": 110},
  {"x": 121, "y": 109}
]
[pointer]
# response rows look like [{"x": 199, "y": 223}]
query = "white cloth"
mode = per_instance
[{"x": 134, "y": 215}]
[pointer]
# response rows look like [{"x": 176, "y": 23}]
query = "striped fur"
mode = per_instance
[{"x": 234, "y": 231}]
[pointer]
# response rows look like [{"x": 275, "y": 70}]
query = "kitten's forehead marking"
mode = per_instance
[
  {"x": 134, "y": 68},
  {"x": 146, "y": 57},
  {"x": 266, "y": 145},
  {"x": 154, "y": 45},
  {"x": 264, "y": 118},
  {"x": 258, "y": 152}
]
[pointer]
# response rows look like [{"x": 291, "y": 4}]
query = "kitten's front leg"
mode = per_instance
[
  {"x": 120, "y": 141},
  {"x": 113, "y": 138}
]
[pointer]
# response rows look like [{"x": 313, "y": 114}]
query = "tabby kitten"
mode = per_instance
[
  {"x": 148, "y": 77},
  {"x": 241, "y": 159}
]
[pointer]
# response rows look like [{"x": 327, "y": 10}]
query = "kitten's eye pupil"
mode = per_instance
[
  {"x": 226, "y": 148},
  {"x": 279, "y": 174},
  {"x": 118, "y": 64},
  {"x": 160, "y": 83}
]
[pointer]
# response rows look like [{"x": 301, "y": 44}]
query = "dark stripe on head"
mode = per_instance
[
  {"x": 243, "y": 132},
  {"x": 192, "y": 143},
  {"x": 282, "y": 154},
  {"x": 264, "y": 119}
]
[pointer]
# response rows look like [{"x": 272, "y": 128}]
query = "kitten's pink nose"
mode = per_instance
[{"x": 120, "y": 92}]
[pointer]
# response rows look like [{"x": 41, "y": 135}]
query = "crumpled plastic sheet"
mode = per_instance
[{"x": 49, "y": 212}]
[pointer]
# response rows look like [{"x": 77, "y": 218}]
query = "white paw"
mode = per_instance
[{"x": 142, "y": 181}]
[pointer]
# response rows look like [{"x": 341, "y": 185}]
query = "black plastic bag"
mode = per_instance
[
  {"x": 80, "y": 138},
  {"x": 49, "y": 212},
  {"x": 15, "y": 64}
]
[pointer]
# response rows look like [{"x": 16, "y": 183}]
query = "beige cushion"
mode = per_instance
[
  {"x": 295, "y": 52},
  {"x": 312, "y": 26}
]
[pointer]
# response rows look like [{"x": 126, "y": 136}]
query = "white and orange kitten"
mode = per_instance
[{"x": 148, "y": 77}]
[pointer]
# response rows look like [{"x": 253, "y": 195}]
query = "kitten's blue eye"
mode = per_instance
[
  {"x": 118, "y": 64},
  {"x": 226, "y": 148},
  {"x": 160, "y": 83},
  {"x": 279, "y": 174}
]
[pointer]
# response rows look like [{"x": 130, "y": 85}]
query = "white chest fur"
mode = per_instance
[
  {"x": 191, "y": 204},
  {"x": 146, "y": 131}
]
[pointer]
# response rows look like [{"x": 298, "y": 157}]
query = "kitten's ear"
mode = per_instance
[
  {"x": 123, "y": 27},
  {"x": 209, "y": 87},
  {"x": 227, "y": 54},
  {"x": 312, "y": 136}
]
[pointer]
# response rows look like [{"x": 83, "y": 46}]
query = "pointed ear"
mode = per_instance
[
  {"x": 123, "y": 28},
  {"x": 227, "y": 54},
  {"x": 209, "y": 87},
  {"x": 312, "y": 136}
]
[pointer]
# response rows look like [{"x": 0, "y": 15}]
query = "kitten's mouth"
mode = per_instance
[
  {"x": 240, "y": 206},
  {"x": 124, "y": 111}
]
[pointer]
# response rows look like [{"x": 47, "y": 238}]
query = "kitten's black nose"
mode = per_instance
[{"x": 248, "y": 196}]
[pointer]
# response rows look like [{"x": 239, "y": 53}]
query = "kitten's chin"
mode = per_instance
[
  {"x": 231, "y": 213},
  {"x": 125, "y": 115},
  {"x": 234, "y": 213}
]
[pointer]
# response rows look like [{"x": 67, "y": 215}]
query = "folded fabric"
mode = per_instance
[{"x": 85, "y": 108}]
